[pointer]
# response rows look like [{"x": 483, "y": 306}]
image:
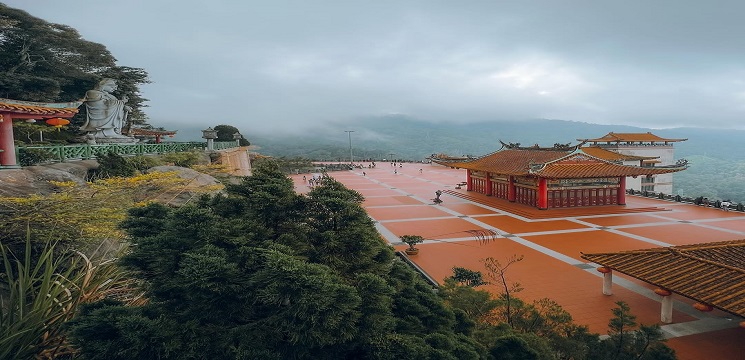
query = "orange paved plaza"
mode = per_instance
[{"x": 551, "y": 242}]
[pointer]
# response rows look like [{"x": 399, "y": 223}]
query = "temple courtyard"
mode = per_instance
[{"x": 400, "y": 201}]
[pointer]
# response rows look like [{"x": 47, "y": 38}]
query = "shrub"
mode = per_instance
[
  {"x": 111, "y": 165},
  {"x": 142, "y": 163},
  {"x": 183, "y": 159},
  {"x": 30, "y": 156}
]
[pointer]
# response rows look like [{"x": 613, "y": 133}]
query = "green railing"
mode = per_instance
[
  {"x": 64, "y": 153},
  {"x": 223, "y": 145}
]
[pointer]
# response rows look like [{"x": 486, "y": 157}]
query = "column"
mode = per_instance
[
  {"x": 622, "y": 191},
  {"x": 607, "y": 280},
  {"x": 542, "y": 194},
  {"x": 488, "y": 189},
  {"x": 511, "y": 189},
  {"x": 7, "y": 144},
  {"x": 469, "y": 181},
  {"x": 608, "y": 283},
  {"x": 666, "y": 314}
]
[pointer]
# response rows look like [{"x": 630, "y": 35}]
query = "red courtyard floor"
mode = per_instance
[{"x": 551, "y": 242}]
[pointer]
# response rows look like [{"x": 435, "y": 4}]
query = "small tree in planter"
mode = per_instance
[{"x": 412, "y": 240}]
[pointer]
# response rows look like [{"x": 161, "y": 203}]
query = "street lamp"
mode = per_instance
[
  {"x": 210, "y": 134},
  {"x": 351, "y": 158},
  {"x": 237, "y": 137}
]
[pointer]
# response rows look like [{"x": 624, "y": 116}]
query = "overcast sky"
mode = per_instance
[{"x": 275, "y": 65}]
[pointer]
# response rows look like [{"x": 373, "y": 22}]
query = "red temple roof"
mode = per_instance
[
  {"x": 712, "y": 273},
  {"x": 602, "y": 153},
  {"x": 150, "y": 132},
  {"x": 554, "y": 164},
  {"x": 36, "y": 108},
  {"x": 631, "y": 137}
]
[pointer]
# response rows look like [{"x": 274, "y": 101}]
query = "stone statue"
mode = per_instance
[{"x": 106, "y": 115}]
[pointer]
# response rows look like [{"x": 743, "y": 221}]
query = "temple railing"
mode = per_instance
[
  {"x": 62, "y": 153},
  {"x": 224, "y": 145}
]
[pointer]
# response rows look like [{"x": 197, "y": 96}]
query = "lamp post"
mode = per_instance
[
  {"x": 237, "y": 137},
  {"x": 210, "y": 134},
  {"x": 351, "y": 158},
  {"x": 391, "y": 154}
]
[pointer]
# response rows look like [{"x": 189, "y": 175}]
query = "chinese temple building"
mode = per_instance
[
  {"x": 11, "y": 110},
  {"x": 657, "y": 150},
  {"x": 151, "y": 133},
  {"x": 558, "y": 177}
]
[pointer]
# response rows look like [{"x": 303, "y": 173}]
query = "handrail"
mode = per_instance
[{"x": 63, "y": 153}]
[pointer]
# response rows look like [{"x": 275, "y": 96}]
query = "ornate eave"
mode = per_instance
[{"x": 30, "y": 109}]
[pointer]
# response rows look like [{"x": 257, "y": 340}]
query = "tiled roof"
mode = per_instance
[
  {"x": 553, "y": 164},
  {"x": 600, "y": 169},
  {"x": 623, "y": 137},
  {"x": 711, "y": 273},
  {"x": 36, "y": 108},
  {"x": 150, "y": 132},
  {"x": 604, "y": 154}
]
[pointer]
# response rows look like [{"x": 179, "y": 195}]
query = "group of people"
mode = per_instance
[{"x": 314, "y": 180}]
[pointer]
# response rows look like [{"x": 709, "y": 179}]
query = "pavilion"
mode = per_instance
[
  {"x": 14, "y": 109},
  {"x": 660, "y": 152},
  {"x": 557, "y": 177},
  {"x": 157, "y": 134},
  {"x": 713, "y": 274}
]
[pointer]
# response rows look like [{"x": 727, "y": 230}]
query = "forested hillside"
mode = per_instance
[{"x": 714, "y": 154}]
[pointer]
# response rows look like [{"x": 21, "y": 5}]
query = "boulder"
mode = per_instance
[{"x": 36, "y": 179}]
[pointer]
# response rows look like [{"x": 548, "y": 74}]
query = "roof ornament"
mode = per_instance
[
  {"x": 681, "y": 162},
  {"x": 534, "y": 167}
]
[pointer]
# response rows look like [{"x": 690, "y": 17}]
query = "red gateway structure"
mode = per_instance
[
  {"x": 26, "y": 110},
  {"x": 559, "y": 177}
]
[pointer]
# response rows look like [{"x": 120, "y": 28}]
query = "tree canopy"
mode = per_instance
[
  {"x": 262, "y": 271},
  {"x": 47, "y": 62}
]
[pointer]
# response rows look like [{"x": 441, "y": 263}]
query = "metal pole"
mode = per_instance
[{"x": 351, "y": 158}]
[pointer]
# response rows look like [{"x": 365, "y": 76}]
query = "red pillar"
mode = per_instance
[
  {"x": 488, "y": 185},
  {"x": 511, "y": 189},
  {"x": 7, "y": 145},
  {"x": 469, "y": 181},
  {"x": 157, "y": 139},
  {"x": 542, "y": 194},
  {"x": 622, "y": 191}
]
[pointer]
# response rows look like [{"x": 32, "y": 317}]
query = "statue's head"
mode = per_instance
[{"x": 107, "y": 85}]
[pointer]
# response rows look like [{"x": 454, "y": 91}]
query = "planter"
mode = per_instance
[{"x": 412, "y": 251}]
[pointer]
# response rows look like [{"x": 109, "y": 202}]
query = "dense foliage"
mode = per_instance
[
  {"x": 46, "y": 62},
  {"x": 226, "y": 132},
  {"x": 264, "y": 272}
]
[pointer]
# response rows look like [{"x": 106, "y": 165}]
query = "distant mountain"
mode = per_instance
[{"x": 717, "y": 164}]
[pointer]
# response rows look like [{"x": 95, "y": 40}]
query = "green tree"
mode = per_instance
[
  {"x": 42, "y": 61},
  {"x": 245, "y": 274},
  {"x": 226, "y": 132}
]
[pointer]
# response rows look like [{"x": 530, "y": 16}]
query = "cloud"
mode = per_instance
[{"x": 283, "y": 64}]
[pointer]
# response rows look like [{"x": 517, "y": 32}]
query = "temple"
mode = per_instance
[
  {"x": 559, "y": 177},
  {"x": 653, "y": 151},
  {"x": 141, "y": 133},
  {"x": 29, "y": 111}
]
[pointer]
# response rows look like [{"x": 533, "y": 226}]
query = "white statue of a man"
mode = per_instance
[{"x": 106, "y": 115}]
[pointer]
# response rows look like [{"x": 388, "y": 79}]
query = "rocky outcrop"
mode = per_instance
[{"x": 36, "y": 179}]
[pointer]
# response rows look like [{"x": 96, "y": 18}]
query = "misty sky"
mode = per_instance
[{"x": 276, "y": 65}]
